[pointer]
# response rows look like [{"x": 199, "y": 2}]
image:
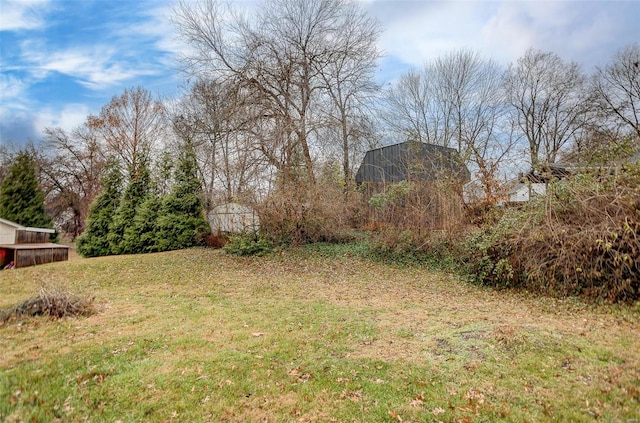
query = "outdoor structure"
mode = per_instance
[
  {"x": 22, "y": 246},
  {"x": 233, "y": 218},
  {"x": 522, "y": 192},
  {"x": 534, "y": 183},
  {"x": 411, "y": 161}
]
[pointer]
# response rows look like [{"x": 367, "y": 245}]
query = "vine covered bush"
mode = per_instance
[{"x": 582, "y": 238}]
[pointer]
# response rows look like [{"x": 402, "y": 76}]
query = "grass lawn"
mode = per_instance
[{"x": 308, "y": 336}]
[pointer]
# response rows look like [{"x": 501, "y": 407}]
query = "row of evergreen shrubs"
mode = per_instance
[{"x": 139, "y": 220}]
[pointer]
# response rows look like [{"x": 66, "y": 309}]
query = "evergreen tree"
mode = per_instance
[
  {"x": 136, "y": 193},
  {"x": 140, "y": 237},
  {"x": 181, "y": 223},
  {"x": 21, "y": 199},
  {"x": 94, "y": 242}
]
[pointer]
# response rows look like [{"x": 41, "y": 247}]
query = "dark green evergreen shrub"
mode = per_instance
[
  {"x": 141, "y": 236},
  {"x": 135, "y": 194},
  {"x": 94, "y": 242},
  {"x": 21, "y": 199},
  {"x": 180, "y": 222}
]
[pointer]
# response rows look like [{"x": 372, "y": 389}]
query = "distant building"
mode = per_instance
[
  {"x": 22, "y": 246},
  {"x": 233, "y": 218},
  {"x": 411, "y": 161}
]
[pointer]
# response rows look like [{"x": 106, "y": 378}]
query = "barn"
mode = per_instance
[
  {"x": 22, "y": 246},
  {"x": 411, "y": 161},
  {"x": 430, "y": 197}
]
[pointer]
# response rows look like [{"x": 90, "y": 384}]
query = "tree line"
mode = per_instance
[{"x": 281, "y": 106}]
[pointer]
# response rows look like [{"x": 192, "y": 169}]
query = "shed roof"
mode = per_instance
[
  {"x": 25, "y": 228},
  {"x": 33, "y": 246},
  {"x": 411, "y": 160}
]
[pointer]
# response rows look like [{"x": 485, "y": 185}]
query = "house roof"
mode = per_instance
[
  {"x": 411, "y": 160},
  {"x": 26, "y": 228}
]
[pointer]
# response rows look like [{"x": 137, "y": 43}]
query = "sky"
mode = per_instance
[{"x": 62, "y": 60}]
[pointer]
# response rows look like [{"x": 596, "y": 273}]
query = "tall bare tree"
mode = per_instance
[
  {"x": 280, "y": 58},
  {"x": 131, "y": 126},
  {"x": 456, "y": 100},
  {"x": 410, "y": 107},
  {"x": 617, "y": 88},
  {"x": 211, "y": 119},
  {"x": 547, "y": 95},
  {"x": 349, "y": 83},
  {"x": 71, "y": 171}
]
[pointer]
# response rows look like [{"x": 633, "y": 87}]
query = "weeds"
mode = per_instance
[
  {"x": 582, "y": 238},
  {"x": 250, "y": 244}
]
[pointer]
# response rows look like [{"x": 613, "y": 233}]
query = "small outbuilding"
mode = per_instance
[
  {"x": 233, "y": 218},
  {"x": 411, "y": 161},
  {"x": 22, "y": 246}
]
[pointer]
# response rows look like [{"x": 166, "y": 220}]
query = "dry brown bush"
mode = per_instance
[
  {"x": 582, "y": 238},
  {"x": 415, "y": 216},
  {"x": 52, "y": 302},
  {"x": 324, "y": 212}
]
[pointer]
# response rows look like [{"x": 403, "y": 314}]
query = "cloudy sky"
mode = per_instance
[{"x": 61, "y": 60}]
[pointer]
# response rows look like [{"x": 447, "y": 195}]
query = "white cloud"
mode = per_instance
[
  {"x": 96, "y": 67},
  {"x": 156, "y": 28},
  {"x": 22, "y": 14},
  {"x": 588, "y": 32},
  {"x": 68, "y": 118},
  {"x": 26, "y": 122},
  {"x": 11, "y": 88}
]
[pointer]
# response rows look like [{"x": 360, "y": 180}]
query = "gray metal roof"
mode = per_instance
[{"x": 411, "y": 160}]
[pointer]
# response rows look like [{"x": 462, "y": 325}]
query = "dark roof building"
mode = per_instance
[{"x": 411, "y": 161}]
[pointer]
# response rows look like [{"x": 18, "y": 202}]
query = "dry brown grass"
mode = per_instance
[{"x": 190, "y": 334}]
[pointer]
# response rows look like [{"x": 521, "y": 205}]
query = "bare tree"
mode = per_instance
[
  {"x": 349, "y": 83},
  {"x": 210, "y": 118},
  {"x": 548, "y": 98},
  {"x": 279, "y": 58},
  {"x": 456, "y": 100},
  {"x": 131, "y": 126},
  {"x": 410, "y": 107},
  {"x": 617, "y": 88},
  {"x": 71, "y": 168}
]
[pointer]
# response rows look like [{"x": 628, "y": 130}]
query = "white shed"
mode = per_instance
[
  {"x": 233, "y": 218},
  {"x": 21, "y": 246},
  {"x": 522, "y": 193},
  {"x": 13, "y": 233}
]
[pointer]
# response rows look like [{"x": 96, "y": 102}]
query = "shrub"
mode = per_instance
[
  {"x": 216, "y": 241},
  {"x": 250, "y": 244},
  {"x": 322, "y": 213},
  {"x": 415, "y": 222},
  {"x": 582, "y": 238}
]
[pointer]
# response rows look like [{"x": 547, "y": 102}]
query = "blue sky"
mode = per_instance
[{"x": 61, "y": 60}]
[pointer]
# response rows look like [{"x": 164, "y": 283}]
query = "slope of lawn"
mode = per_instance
[{"x": 198, "y": 335}]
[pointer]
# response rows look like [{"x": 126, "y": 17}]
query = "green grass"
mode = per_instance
[{"x": 316, "y": 334}]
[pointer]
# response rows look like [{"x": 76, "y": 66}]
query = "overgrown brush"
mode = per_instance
[
  {"x": 582, "y": 238},
  {"x": 52, "y": 302},
  {"x": 321, "y": 213},
  {"x": 415, "y": 222}
]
